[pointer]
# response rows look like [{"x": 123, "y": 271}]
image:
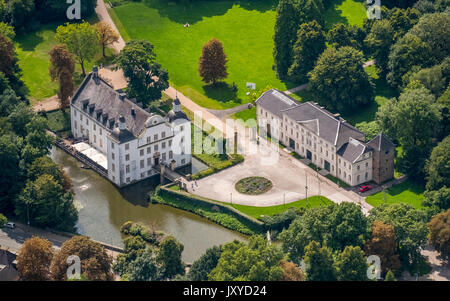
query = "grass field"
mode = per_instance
[
  {"x": 245, "y": 28},
  {"x": 59, "y": 121},
  {"x": 406, "y": 192},
  {"x": 32, "y": 49},
  {"x": 256, "y": 212}
]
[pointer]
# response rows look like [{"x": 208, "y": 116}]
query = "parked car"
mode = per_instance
[
  {"x": 10, "y": 225},
  {"x": 365, "y": 188}
]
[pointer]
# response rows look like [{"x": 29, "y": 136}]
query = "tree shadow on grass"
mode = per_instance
[
  {"x": 28, "y": 42},
  {"x": 332, "y": 14},
  {"x": 222, "y": 92},
  {"x": 194, "y": 11}
]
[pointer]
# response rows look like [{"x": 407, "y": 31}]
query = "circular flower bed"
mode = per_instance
[{"x": 253, "y": 185}]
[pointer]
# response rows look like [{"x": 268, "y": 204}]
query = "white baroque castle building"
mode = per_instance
[{"x": 134, "y": 141}]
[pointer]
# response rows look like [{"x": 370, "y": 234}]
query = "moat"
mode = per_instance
[{"x": 103, "y": 208}]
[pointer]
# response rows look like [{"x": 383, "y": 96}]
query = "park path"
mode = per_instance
[{"x": 104, "y": 16}]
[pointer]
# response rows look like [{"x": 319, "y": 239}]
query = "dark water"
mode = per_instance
[{"x": 103, "y": 209}]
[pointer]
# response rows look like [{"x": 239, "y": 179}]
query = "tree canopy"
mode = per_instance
[
  {"x": 34, "y": 258},
  {"x": 212, "y": 64}
]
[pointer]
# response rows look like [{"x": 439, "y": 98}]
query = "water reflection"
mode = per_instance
[{"x": 104, "y": 208}]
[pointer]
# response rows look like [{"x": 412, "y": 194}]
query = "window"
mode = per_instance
[
  {"x": 170, "y": 143},
  {"x": 142, "y": 163},
  {"x": 81, "y": 117},
  {"x": 155, "y": 147},
  {"x": 181, "y": 128},
  {"x": 127, "y": 157},
  {"x": 164, "y": 156},
  {"x": 357, "y": 167},
  {"x": 170, "y": 154},
  {"x": 128, "y": 180},
  {"x": 113, "y": 167},
  {"x": 95, "y": 139},
  {"x": 141, "y": 152},
  {"x": 163, "y": 145},
  {"x": 148, "y": 139},
  {"x": 155, "y": 137},
  {"x": 127, "y": 168},
  {"x": 95, "y": 127},
  {"x": 367, "y": 175},
  {"x": 149, "y": 161},
  {"x": 349, "y": 177},
  {"x": 76, "y": 126},
  {"x": 100, "y": 129},
  {"x": 113, "y": 156},
  {"x": 74, "y": 113},
  {"x": 163, "y": 135},
  {"x": 142, "y": 175},
  {"x": 367, "y": 164},
  {"x": 149, "y": 150},
  {"x": 101, "y": 143},
  {"x": 182, "y": 139},
  {"x": 87, "y": 121},
  {"x": 357, "y": 178},
  {"x": 183, "y": 161},
  {"x": 127, "y": 146},
  {"x": 112, "y": 145}
]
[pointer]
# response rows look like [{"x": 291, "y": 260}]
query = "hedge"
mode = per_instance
[
  {"x": 217, "y": 212},
  {"x": 235, "y": 159}
]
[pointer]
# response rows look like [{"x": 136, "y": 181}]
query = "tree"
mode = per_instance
[
  {"x": 37, "y": 142},
  {"x": 309, "y": 45},
  {"x": 345, "y": 35},
  {"x": 444, "y": 103},
  {"x": 438, "y": 166},
  {"x": 61, "y": 69},
  {"x": 10, "y": 171},
  {"x": 20, "y": 12},
  {"x": 34, "y": 258},
  {"x": 351, "y": 265},
  {"x": 205, "y": 264},
  {"x": 81, "y": 40},
  {"x": 339, "y": 81},
  {"x": 290, "y": 14},
  {"x": 55, "y": 10},
  {"x": 291, "y": 272},
  {"x": 3, "y": 220},
  {"x": 134, "y": 246},
  {"x": 390, "y": 276},
  {"x": 379, "y": 41},
  {"x": 6, "y": 56},
  {"x": 43, "y": 202},
  {"x": 107, "y": 35},
  {"x": 169, "y": 256},
  {"x": 439, "y": 236},
  {"x": 437, "y": 198},
  {"x": 409, "y": 226},
  {"x": 7, "y": 31},
  {"x": 383, "y": 244},
  {"x": 144, "y": 268},
  {"x": 431, "y": 78},
  {"x": 413, "y": 120},
  {"x": 19, "y": 117},
  {"x": 319, "y": 263},
  {"x": 95, "y": 262},
  {"x": 255, "y": 261},
  {"x": 402, "y": 20},
  {"x": 371, "y": 129},
  {"x": 146, "y": 78},
  {"x": 212, "y": 64}
]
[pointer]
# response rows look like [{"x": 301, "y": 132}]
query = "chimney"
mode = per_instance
[
  {"x": 95, "y": 71},
  {"x": 122, "y": 124},
  {"x": 133, "y": 112},
  {"x": 122, "y": 96}
]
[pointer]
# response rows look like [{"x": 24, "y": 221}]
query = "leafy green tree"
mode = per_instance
[
  {"x": 95, "y": 262},
  {"x": 402, "y": 20},
  {"x": 409, "y": 226},
  {"x": 55, "y": 10},
  {"x": 205, "y": 264},
  {"x": 169, "y": 256},
  {"x": 351, "y": 265},
  {"x": 6, "y": 56},
  {"x": 383, "y": 243},
  {"x": 212, "y": 64},
  {"x": 20, "y": 116},
  {"x": 134, "y": 246},
  {"x": 439, "y": 235},
  {"x": 444, "y": 104},
  {"x": 371, "y": 129},
  {"x": 309, "y": 45},
  {"x": 144, "y": 268},
  {"x": 7, "y": 30},
  {"x": 413, "y": 121},
  {"x": 44, "y": 203},
  {"x": 379, "y": 41},
  {"x": 319, "y": 263},
  {"x": 8, "y": 98},
  {"x": 438, "y": 166},
  {"x": 81, "y": 40},
  {"x": 431, "y": 78},
  {"x": 290, "y": 14},
  {"x": 37, "y": 142},
  {"x": 255, "y": 261},
  {"x": 10, "y": 171},
  {"x": 339, "y": 81},
  {"x": 390, "y": 276},
  {"x": 34, "y": 258},
  {"x": 3, "y": 220},
  {"x": 146, "y": 78},
  {"x": 345, "y": 35},
  {"x": 438, "y": 198},
  {"x": 20, "y": 12}
]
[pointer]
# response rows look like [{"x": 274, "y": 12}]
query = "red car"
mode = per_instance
[{"x": 365, "y": 188}]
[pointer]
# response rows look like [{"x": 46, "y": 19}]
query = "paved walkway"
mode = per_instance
[
  {"x": 224, "y": 113},
  {"x": 104, "y": 16}
]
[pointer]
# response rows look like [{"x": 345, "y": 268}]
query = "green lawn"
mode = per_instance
[
  {"x": 406, "y": 192},
  {"x": 246, "y": 114},
  {"x": 256, "y": 212},
  {"x": 350, "y": 12},
  {"x": 32, "y": 49},
  {"x": 59, "y": 121},
  {"x": 245, "y": 28}
]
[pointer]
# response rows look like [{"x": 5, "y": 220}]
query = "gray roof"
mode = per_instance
[
  {"x": 353, "y": 149},
  {"x": 97, "y": 98},
  {"x": 122, "y": 136},
  {"x": 7, "y": 270},
  {"x": 381, "y": 142},
  {"x": 275, "y": 101},
  {"x": 332, "y": 129},
  {"x": 171, "y": 116}
]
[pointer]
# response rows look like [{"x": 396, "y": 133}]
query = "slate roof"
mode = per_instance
[
  {"x": 7, "y": 270},
  {"x": 103, "y": 103},
  {"x": 330, "y": 128},
  {"x": 381, "y": 142},
  {"x": 353, "y": 149}
]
